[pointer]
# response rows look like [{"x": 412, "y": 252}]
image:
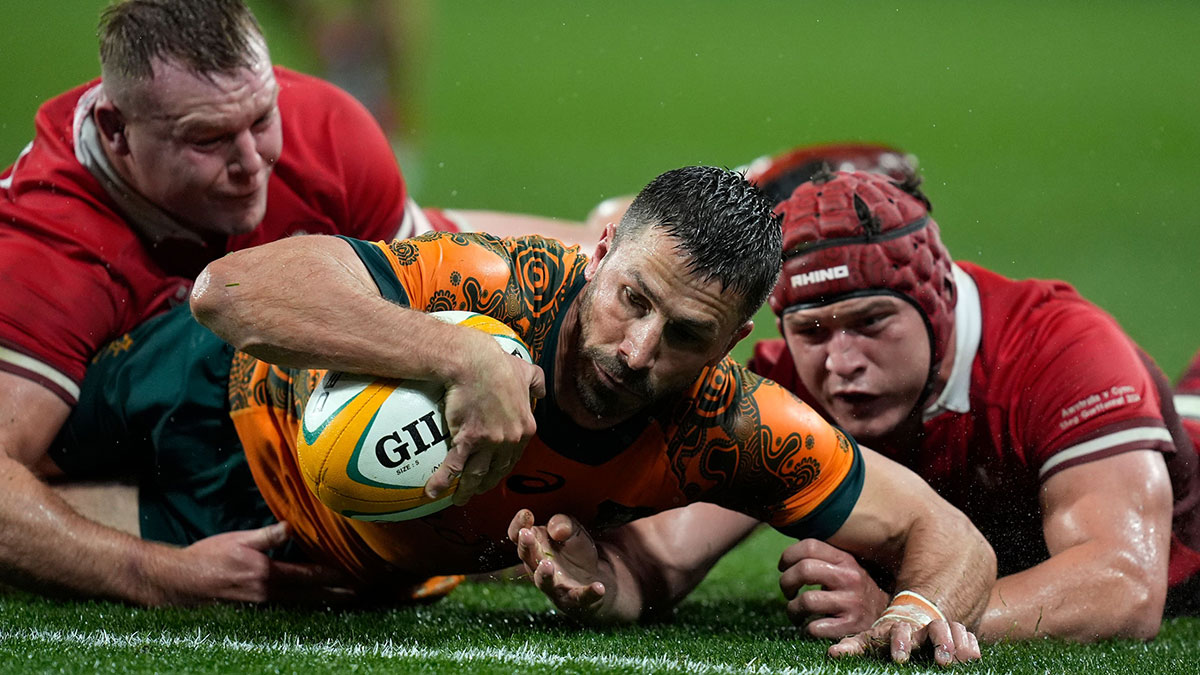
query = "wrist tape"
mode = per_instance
[{"x": 911, "y": 607}]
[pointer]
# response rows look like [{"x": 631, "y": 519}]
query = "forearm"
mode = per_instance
[
  {"x": 655, "y": 562},
  {"x": 277, "y": 302},
  {"x": 1084, "y": 593},
  {"x": 931, "y": 547},
  {"x": 48, "y": 547},
  {"x": 949, "y": 562}
]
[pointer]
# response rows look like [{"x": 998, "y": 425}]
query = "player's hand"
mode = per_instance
[
  {"x": 490, "y": 418},
  {"x": 848, "y": 601},
  {"x": 951, "y": 642},
  {"x": 562, "y": 560},
  {"x": 234, "y": 567}
]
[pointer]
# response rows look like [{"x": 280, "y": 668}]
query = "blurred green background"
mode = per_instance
[{"x": 1057, "y": 139}]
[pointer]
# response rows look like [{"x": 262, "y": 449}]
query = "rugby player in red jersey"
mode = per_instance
[{"x": 1019, "y": 401}]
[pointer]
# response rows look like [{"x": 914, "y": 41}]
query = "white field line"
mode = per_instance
[{"x": 518, "y": 655}]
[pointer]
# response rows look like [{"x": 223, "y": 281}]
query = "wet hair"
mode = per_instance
[
  {"x": 723, "y": 224},
  {"x": 203, "y": 36}
]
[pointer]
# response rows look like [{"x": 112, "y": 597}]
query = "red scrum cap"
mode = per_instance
[
  {"x": 851, "y": 234},
  {"x": 779, "y": 175}
]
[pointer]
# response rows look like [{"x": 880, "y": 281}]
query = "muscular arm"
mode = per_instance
[
  {"x": 902, "y": 524},
  {"x": 47, "y": 546},
  {"x": 310, "y": 302},
  {"x": 1108, "y": 526}
]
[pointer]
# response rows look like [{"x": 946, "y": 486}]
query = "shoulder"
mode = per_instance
[{"x": 311, "y": 104}]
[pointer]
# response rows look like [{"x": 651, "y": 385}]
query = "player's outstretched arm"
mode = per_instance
[
  {"x": 633, "y": 572},
  {"x": 47, "y": 546},
  {"x": 1108, "y": 527},
  {"x": 944, "y": 567},
  {"x": 310, "y": 302}
]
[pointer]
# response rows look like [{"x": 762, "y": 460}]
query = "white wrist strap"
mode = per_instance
[{"x": 911, "y": 607}]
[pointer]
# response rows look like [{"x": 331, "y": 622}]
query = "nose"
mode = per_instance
[
  {"x": 843, "y": 357},
  {"x": 245, "y": 160},
  {"x": 640, "y": 347}
]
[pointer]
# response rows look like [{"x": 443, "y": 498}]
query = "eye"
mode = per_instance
[
  {"x": 634, "y": 300},
  {"x": 265, "y": 120},
  {"x": 812, "y": 331},
  {"x": 872, "y": 323},
  {"x": 207, "y": 142},
  {"x": 680, "y": 335}
]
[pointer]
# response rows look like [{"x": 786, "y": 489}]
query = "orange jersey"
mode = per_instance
[{"x": 733, "y": 439}]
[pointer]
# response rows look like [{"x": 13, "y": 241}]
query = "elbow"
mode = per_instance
[
  {"x": 211, "y": 302},
  {"x": 1146, "y": 595}
]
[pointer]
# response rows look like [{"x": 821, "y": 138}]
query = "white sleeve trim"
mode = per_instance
[
  {"x": 41, "y": 369},
  {"x": 1188, "y": 405},
  {"x": 414, "y": 222},
  {"x": 1136, "y": 435}
]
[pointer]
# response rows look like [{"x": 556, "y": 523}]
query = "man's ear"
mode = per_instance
[
  {"x": 738, "y": 335},
  {"x": 111, "y": 123},
  {"x": 602, "y": 249}
]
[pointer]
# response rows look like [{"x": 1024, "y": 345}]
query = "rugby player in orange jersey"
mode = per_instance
[{"x": 643, "y": 410}]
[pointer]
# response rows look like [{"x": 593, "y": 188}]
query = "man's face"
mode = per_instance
[
  {"x": 865, "y": 360},
  {"x": 647, "y": 329},
  {"x": 203, "y": 150}
]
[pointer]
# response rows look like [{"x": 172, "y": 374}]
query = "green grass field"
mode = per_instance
[{"x": 1057, "y": 140}]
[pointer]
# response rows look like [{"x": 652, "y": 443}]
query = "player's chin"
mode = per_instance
[{"x": 866, "y": 420}]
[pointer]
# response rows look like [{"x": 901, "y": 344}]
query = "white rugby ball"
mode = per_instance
[{"x": 367, "y": 445}]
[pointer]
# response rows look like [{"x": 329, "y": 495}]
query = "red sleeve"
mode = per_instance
[
  {"x": 55, "y": 313},
  {"x": 1079, "y": 390}
]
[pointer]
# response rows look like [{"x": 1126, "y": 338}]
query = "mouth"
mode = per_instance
[
  {"x": 855, "y": 400},
  {"x": 613, "y": 383}
]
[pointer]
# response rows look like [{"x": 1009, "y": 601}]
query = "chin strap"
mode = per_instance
[{"x": 911, "y": 607}]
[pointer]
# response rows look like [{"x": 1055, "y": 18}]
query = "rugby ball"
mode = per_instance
[{"x": 367, "y": 445}]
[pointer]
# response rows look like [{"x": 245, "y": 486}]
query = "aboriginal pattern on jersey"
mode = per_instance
[
  {"x": 524, "y": 281},
  {"x": 729, "y": 435},
  {"x": 253, "y": 383}
]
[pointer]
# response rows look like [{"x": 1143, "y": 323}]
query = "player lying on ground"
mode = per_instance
[
  {"x": 190, "y": 145},
  {"x": 642, "y": 410},
  {"x": 932, "y": 363}
]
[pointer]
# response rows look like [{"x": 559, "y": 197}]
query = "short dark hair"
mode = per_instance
[
  {"x": 724, "y": 225},
  {"x": 204, "y": 36}
]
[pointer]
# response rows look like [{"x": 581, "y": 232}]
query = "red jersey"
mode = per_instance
[
  {"x": 1042, "y": 380},
  {"x": 75, "y": 274}
]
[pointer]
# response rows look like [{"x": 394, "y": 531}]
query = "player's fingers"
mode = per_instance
[
  {"x": 528, "y": 549},
  {"x": 942, "y": 640},
  {"x": 269, "y": 537},
  {"x": 543, "y": 578},
  {"x": 561, "y": 527},
  {"x": 902, "y": 641},
  {"x": 810, "y": 572},
  {"x": 522, "y": 519},
  {"x": 474, "y": 474},
  {"x": 966, "y": 645},
  {"x": 537, "y": 383},
  {"x": 814, "y": 549},
  {"x": 585, "y": 597},
  {"x": 816, "y": 601},
  {"x": 830, "y": 627},
  {"x": 450, "y": 470},
  {"x": 850, "y": 645}
]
